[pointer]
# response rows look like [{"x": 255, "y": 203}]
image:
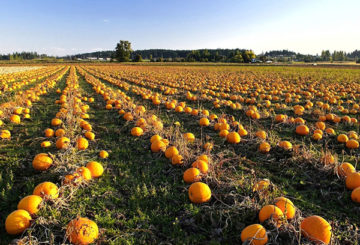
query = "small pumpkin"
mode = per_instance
[
  {"x": 103, "y": 154},
  {"x": 82, "y": 143},
  {"x": 233, "y": 138},
  {"x": 62, "y": 143},
  {"x": 192, "y": 175},
  {"x": 352, "y": 180},
  {"x": 204, "y": 122},
  {"x": 84, "y": 172},
  {"x": 42, "y": 161},
  {"x": 286, "y": 206},
  {"x": 46, "y": 189},
  {"x": 95, "y": 168},
  {"x": 5, "y": 134},
  {"x": 264, "y": 147},
  {"x": 82, "y": 231},
  {"x": 137, "y": 131},
  {"x": 302, "y": 130},
  {"x": 254, "y": 235},
  {"x": 271, "y": 212},
  {"x": 49, "y": 132},
  {"x": 171, "y": 151},
  {"x": 199, "y": 192},
  {"x": 15, "y": 119},
  {"x": 189, "y": 137},
  {"x": 30, "y": 203}
]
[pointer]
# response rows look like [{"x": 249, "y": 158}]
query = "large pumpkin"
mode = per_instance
[
  {"x": 17, "y": 222},
  {"x": 82, "y": 231},
  {"x": 317, "y": 229}
]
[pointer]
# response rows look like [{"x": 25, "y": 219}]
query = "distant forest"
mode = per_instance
[
  {"x": 201, "y": 55},
  {"x": 225, "y": 55}
]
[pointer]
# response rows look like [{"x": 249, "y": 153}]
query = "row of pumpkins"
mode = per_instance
[
  {"x": 200, "y": 192},
  {"x": 79, "y": 230},
  {"x": 21, "y": 104}
]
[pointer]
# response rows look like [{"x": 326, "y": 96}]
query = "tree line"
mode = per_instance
[{"x": 22, "y": 56}]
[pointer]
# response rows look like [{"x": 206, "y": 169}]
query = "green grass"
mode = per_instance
[{"x": 141, "y": 198}]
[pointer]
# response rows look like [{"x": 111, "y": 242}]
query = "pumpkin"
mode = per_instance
[
  {"x": 199, "y": 192},
  {"x": 171, "y": 151},
  {"x": 82, "y": 231},
  {"x": 342, "y": 138},
  {"x": 72, "y": 179},
  {"x": 103, "y": 154},
  {"x": 355, "y": 195},
  {"x": 242, "y": 132},
  {"x": 330, "y": 131},
  {"x": 56, "y": 122},
  {"x": 254, "y": 235},
  {"x": 204, "y": 122},
  {"x": 320, "y": 125},
  {"x": 137, "y": 131},
  {"x": 82, "y": 143},
  {"x": 233, "y": 138},
  {"x": 49, "y": 132},
  {"x": 84, "y": 172},
  {"x": 95, "y": 168},
  {"x": 286, "y": 145},
  {"x": 352, "y": 180},
  {"x": 177, "y": 159},
  {"x": 42, "y": 161},
  {"x": 204, "y": 158},
  {"x": 158, "y": 146},
  {"x": 155, "y": 138},
  {"x": 286, "y": 206},
  {"x": 317, "y": 229},
  {"x": 264, "y": 147},
  {"x": 302, "y": 130},
  {"x": 317, "y": 136},
  {"x": 128, "y": 116},
  {"x": 201, "y": 165},
  {"x": 18, "y": 111},
  {"x": 345, "y": 169},
  {"x": 271, "y": 212},
  {"x": 261, "y": 134},
  {"x": 90, "y": 135},
  {"x": 62, "y": 143},
  {"x": 352, "y": 144},
  {"x": 192, "y": 175},
  {"x": 60, "y": 132},
  {"x": 208, "y": 146},
  {"x": 30, "y": 203},
  {"x": 189, "y": 137},
  {"x": 223, "y": 133},
  {"x": 5, "y": 134},
  {"x": 46, "y": 189},
  {"x": 261, "y": 185},
  {"x": 15, "y": 119},
  {"x": 17, "y": 221}
]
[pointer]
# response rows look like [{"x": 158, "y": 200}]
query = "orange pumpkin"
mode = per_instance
[
  {"x": 82, "y": 231},
  {"x": 317, "y": 229},
  {"x": 199, "y": 192}
]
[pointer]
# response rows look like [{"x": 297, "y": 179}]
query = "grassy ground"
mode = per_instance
[{"x": 141, "y": 198}]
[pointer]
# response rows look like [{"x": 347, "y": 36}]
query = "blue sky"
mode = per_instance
[{"x": 76, "y": 26}]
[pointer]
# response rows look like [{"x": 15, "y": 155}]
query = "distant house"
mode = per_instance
[
  {"x": 269, "y": 61},
  {"x": 91, "y": 58}
]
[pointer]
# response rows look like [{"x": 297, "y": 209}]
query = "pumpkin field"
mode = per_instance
[{"x": 107, "y": 153}]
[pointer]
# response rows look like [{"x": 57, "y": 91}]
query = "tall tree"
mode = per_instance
[{"x": 123, "y": 51}]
